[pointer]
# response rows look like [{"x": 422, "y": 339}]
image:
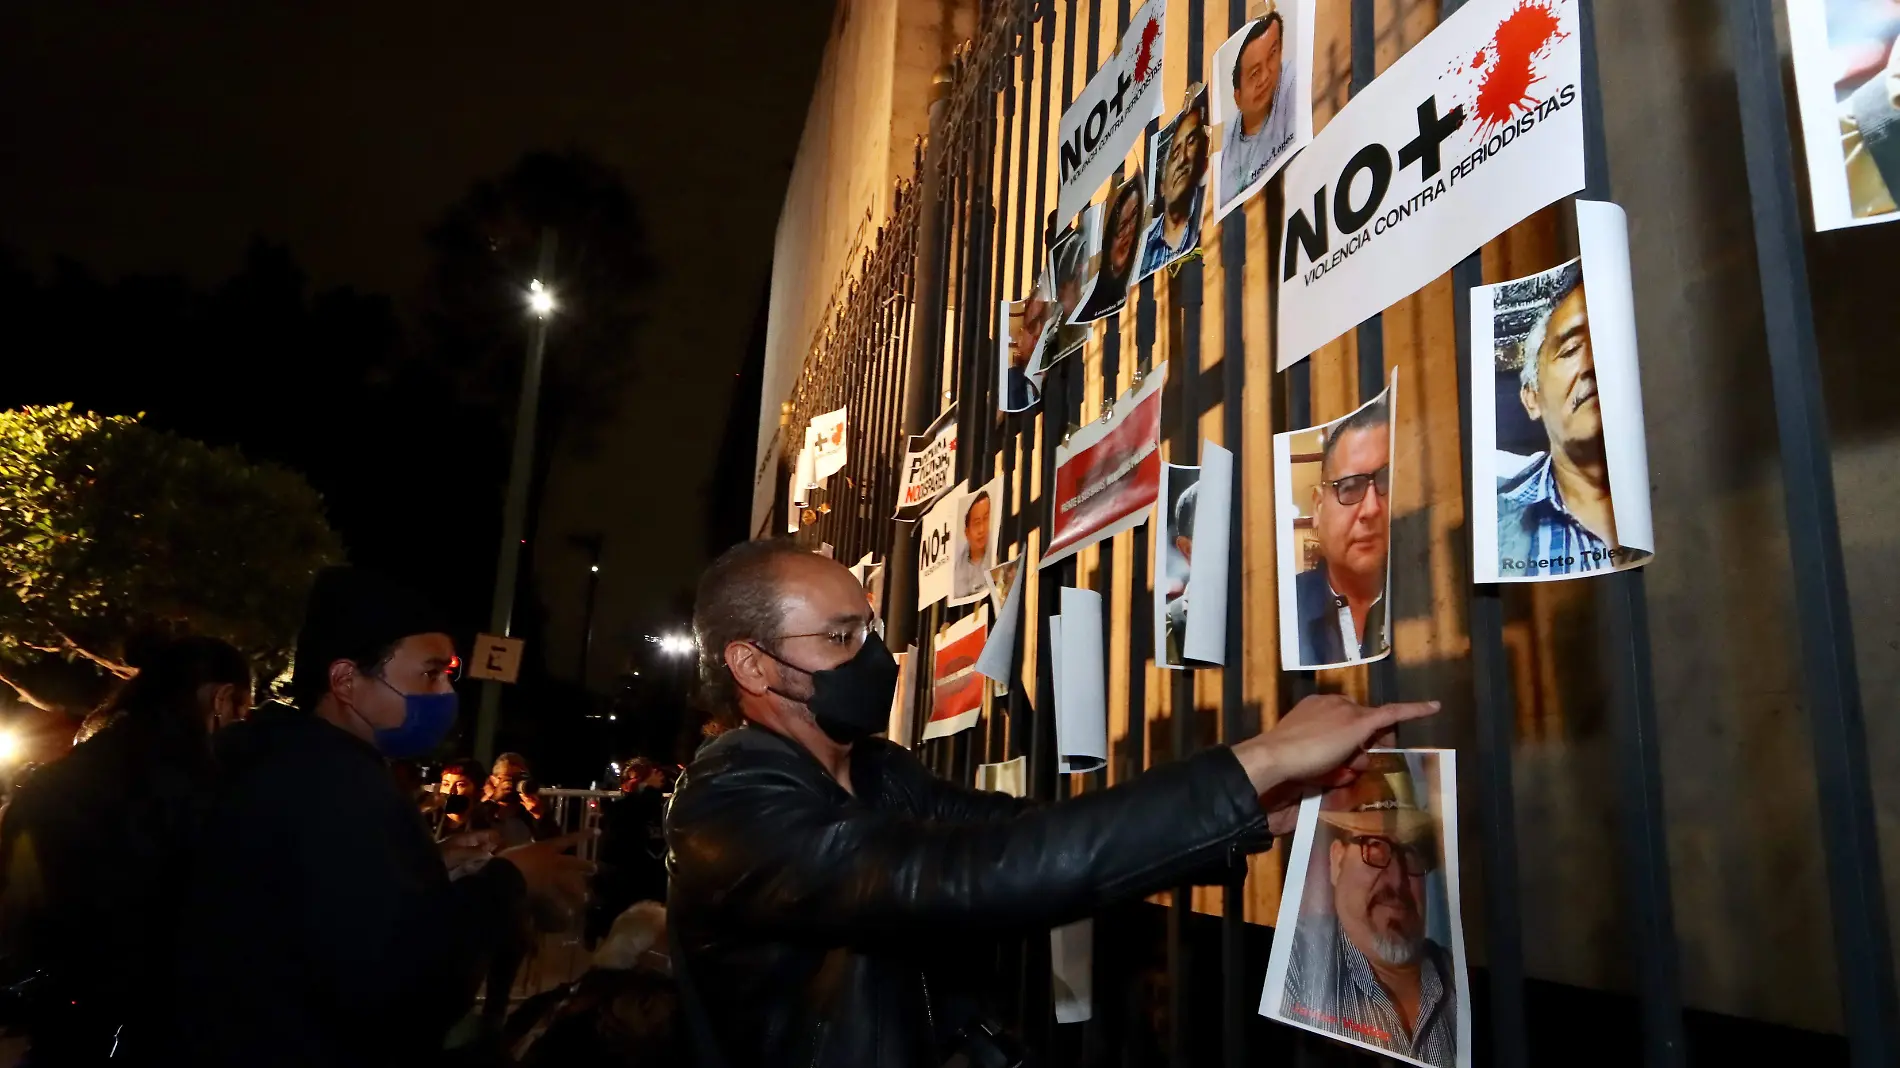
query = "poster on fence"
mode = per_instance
[
  {"x": 936, "y": 558},
  {"x": 1371, "y": 905},
  {"x": 1107, "y": 473},
  {"x": 1475, "y": 127},
  {"x": 956, "y": 690},
  {"x": 1263, "y": 100},
  {"x": 1177, "y": 188},
  {"x": 828, "y": 440},
  {"x": 1847, "y": 83},
  {"x": 1009, "y": 777},
  {"x": 1075, "y": 646},
  {"x": 904, "y": 701},
  {"x": 1190, "y": 581},
  {"x": 1116, "y": 244},
  {"x": 973, "y": 550},
  {"x": 930, "y": 465},
  {"x": 999, "y": 653},
  {"x": 1108, "y": 117},
  {"x": 1561, "y": 465},
  {"x": 1023, "y": 322},
  {"x": 1333, "y": 529}
]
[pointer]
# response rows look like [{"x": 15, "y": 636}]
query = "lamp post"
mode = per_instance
[
  {"x": 515, "y": 513},
  {"x": 593, "y": 544}
]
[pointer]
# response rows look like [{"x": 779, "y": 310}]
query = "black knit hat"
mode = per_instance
[{"x": 355, "y": 615}]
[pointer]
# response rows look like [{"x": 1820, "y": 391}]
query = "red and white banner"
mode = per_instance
[
  {"x": 1109, "y": 473},
  {"x": 956, "y": 693}
]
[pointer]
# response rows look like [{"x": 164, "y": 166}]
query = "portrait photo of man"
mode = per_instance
[
  {"x": 1340, "y": 547},
  {"x": 1847, "y": 81},
  {"x": 1177, "y": 176},
  {"x": 1258, "y": 85},
  {"x": 975, "y": 550},
  {"x": 1372, "y": 956},
  {"x": 1183, "y": 485},
  {"x": 1554, "y": 509},
  {"x": 1120, "y": 242},
  {"x": 1023, "y": 323}
]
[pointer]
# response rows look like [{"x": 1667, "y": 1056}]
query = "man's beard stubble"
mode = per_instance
[{"x": 1393, "y": 950}]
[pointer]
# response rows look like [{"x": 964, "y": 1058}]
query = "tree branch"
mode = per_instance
[
  {"x": 123, "y": 671},
  {"x": 28, "y": 696}
]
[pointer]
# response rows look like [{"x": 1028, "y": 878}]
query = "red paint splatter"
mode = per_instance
[
  {"x": 1146, "y": 54},
  {"x": 1504, "y": 86}
]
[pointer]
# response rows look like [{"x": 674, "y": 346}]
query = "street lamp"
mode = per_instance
[
  {"x": 540, "y": 298},
  {"x": 676, "y": 645}
]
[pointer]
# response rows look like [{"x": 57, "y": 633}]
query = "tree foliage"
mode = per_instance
[{"x": 109, "y": 528}]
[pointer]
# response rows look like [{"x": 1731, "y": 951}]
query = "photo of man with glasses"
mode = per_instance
[
  {"x": 1365, "y": 964},
  {"x": 1339, "y": 572}
]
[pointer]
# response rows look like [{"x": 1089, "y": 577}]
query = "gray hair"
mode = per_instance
[
  {"x": 738, "y": 600},
  {"x": 1569, "y": 280}
]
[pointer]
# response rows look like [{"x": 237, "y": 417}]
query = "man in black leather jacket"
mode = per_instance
[{"x": 815, "y": 867}]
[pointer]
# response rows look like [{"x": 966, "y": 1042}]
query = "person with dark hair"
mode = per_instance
[
  {"x": 1262, "y": 126},
  {"x": 512, "y": 805},
  {"x": 451, "y": 807},
  {"x": 1341, "y": 602},
  {"x": 1176, "y": 227},
  {"x": 1183, "y": 530},
  {"x": 329, "y": 931},
  {"x": 94, "y": 852},
  {"x": 823, "y": 881},
  {"x": 1121, "y": 236},
  {"x": 970, "y": 573}
]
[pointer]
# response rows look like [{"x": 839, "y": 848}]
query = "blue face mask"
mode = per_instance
[{"x": 427, "y": 718}]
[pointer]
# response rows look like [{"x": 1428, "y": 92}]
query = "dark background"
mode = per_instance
[{"x": 259, "y": 224}]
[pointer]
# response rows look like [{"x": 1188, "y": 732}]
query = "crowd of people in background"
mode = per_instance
[{"x": 197, "y": 882}]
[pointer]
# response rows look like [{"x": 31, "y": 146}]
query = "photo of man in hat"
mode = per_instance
[{"x": 1364, "y": 964}]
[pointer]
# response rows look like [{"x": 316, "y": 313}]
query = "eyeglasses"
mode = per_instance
[
  {"x": 1377, "y": 851},
  {"x": 844, "y": 636},
  {"x": 1352, "y": 488}
]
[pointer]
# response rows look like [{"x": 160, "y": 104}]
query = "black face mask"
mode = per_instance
[{"x": 853, "y": 700}]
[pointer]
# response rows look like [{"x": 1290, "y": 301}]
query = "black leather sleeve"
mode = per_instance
[
  {"x": 759, "y": 848},
  {"x": 941, "y": 799}
]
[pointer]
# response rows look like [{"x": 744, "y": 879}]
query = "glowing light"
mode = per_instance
[
  {"x": 540, "y": 298},
  {"x": 676, "y": 645},
  {"x": 9, "y": 747},
  {"x": 595, "y": 569}
]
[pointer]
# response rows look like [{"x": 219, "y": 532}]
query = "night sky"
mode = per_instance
[{"x": 162, "y": 137}]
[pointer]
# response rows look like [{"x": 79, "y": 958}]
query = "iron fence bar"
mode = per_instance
[
  {"x": 1625, "y": 625},
  {"x": 1849, "y": 835}
]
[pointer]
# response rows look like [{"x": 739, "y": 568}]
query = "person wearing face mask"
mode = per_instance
[
  {"x": 824, "y": 883},
  {"x": 95, "y": 850},
  {"x": 329, "y": 931}
]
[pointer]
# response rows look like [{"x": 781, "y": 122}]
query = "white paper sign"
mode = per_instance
[
  {"x": 1402, "y": 814},
  {"x": 904, "y": 701},
  {"x": 930, "y": 464},
  {"x": 1476, "y": 127},
  {"x": 1107, "y": 119},
  {"x": 1191, "y": 562},
  {"x": 936, "y": 549},
  {"x": 999, "y": 654},
  {"x": 1072, "y": 971},
  {"x": 1277, "y": 97},
  {"x": 1009, "y": 777},
  {"x": 1560, "y": 471},
  {"x": 828, "y": 440},
  {"x": 973, "y": 548},
  {"x": 1081, "y": 686},
  {"x": 1846, "y": 73}
]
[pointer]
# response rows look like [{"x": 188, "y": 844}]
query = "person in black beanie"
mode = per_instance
[{"x": 328, "y": 931}]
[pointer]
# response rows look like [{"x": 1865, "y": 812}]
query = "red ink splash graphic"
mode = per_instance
[
  {"x": 1506, "y": 68},
  {"x": 1145, "y": 56}
]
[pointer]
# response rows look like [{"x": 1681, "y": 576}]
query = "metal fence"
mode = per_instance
[{"x": 915, "y": 327}]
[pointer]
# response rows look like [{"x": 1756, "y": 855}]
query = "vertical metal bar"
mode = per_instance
[
  {"x": 1633, "y": 705},
  {"x": 1830, "y": 676},
  {"x": 921, "y": 378}
]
